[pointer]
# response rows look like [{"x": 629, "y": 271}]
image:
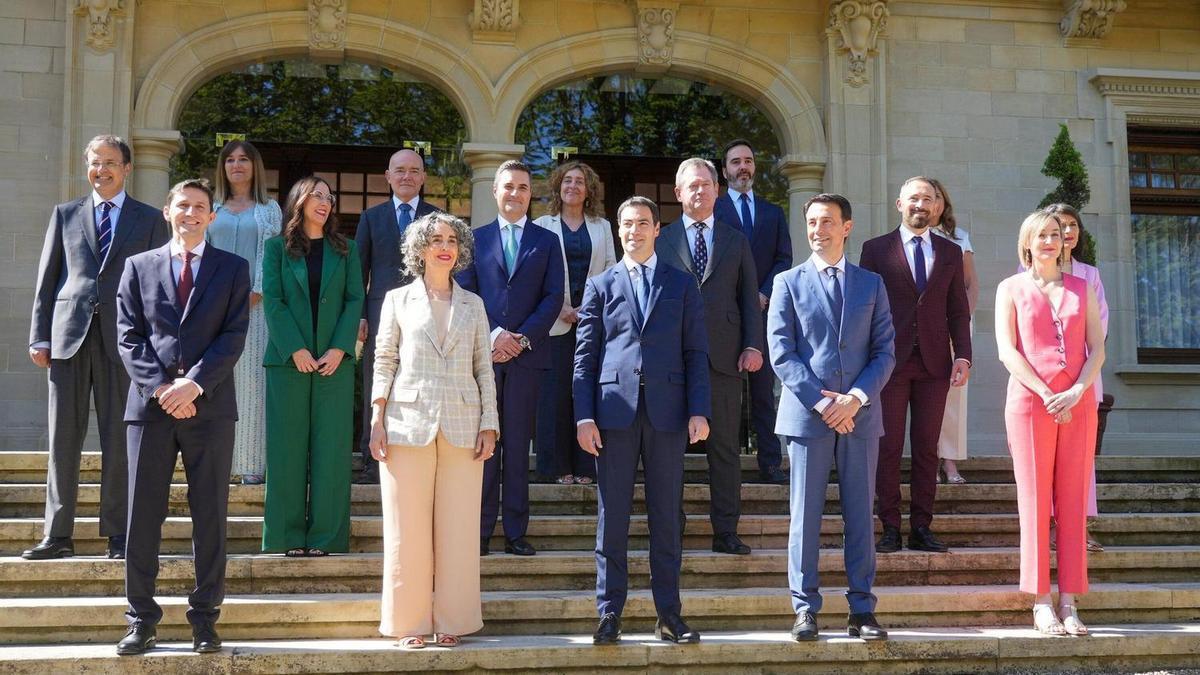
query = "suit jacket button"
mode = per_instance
[
  {"x": 322, "y": 301},
  {"x": 1062, "y": 364},
  {"x": 842, "y": 345},
  {"x": 837, "y": 372}
]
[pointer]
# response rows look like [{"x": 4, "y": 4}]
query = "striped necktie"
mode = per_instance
[{"x": 104, "y": 229}]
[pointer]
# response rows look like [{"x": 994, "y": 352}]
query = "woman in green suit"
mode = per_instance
[{"x": 313, "y": 299}]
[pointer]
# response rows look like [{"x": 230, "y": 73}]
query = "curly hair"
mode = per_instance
[
  {"x": 295, "y": 239},
  {"x": 418, "y": 234},
  {"x": 948, "y": 221},
  {"x": 591, "y": 183}
]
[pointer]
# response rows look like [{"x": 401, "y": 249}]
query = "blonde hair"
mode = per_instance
[{"x": 1030, "y": 228}]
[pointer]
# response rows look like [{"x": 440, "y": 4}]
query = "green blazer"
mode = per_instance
[{"x": 288, "y": 311}]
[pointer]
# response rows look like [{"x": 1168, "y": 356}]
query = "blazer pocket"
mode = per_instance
[
  {"x": 470, "y": 396},
  {"x": 608, "y": 377},
  {"x": 734, "y": 318},
  {"x": 404, "y": 395}
]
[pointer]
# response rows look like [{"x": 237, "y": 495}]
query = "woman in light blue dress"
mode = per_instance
[{"x": 246, "y": 218}]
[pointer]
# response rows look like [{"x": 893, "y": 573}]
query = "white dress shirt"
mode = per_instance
[
  {"x": 114, "y": 214},
  {"x": 820, "y": 265},
  {"x": 412, "y": 203},
  {"x": 517, "y": 231},
  {"x": 906, "y": 237},
  {"x": 737, "y": 203},
  {"x": 689, "y": 229}
]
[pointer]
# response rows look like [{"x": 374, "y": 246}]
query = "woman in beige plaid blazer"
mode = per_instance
[{"x": 433, "y": 424}]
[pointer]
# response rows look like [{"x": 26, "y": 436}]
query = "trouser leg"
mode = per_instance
[
  {"x": 662, "y": 458},
  {"x": 894, "y": 399},
  {"x": 856, "y": 460},
  {"x": 810, "y": 461},
  {"x": 406, "y": 481},
  {"x": 285, "y": 508},
  {"x": 331, "y": 436},
  {"x": 153, "y": 448},
  {"x": 616, "y": 468},
  {"x": 110, "y": 387},
  {"x": 724, "y": 461},
  {"x": 70, "y": 381},
  {"x": 927, "y": 407},
  {"x": 457, "y": 608},
  {"x": 207, "y": 448}
]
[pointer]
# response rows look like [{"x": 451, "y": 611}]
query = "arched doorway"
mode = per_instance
[{"x": 340, "y": 121}]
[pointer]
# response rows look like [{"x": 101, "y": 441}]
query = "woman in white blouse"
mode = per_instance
[{"x": 577, "y": 217}]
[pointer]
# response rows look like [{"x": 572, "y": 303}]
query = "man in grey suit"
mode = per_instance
[
  {"x": 831, "y": 340},
  {"x": 380, "y": 231},
  {"x": 719, "y": 257},
  {"x": 74, "y": 335}
]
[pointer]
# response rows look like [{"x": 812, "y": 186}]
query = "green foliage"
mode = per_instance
[{"x": 1066, "y": 164}]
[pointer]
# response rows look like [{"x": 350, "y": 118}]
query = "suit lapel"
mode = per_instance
[
  {"x": 166, "y": 279},
  {"x": 526, "y": 245},
  {"x": 656, "y": 286},
  {"x": 87, "y": 221},
  {"x": 899, "y": 257},
  {"x": 490, "y": 235},
  {"x": 331, "y": 263},
  {"x": 939, "y": 261},
  {"x": 419, "y": 294},
  {"x": 624, "y": 287},
  {"x": 299, "y": 270},
  {"x": 208, "y": 267},
  {"x": 458, "y": 317},
  {"x": 389, "y": 229},
  {"x": 722, "y": 241},
  {"x": 130, "y": 219},
  {"x": 676, "y": 239},
  {"x": 816, "y": 289}
]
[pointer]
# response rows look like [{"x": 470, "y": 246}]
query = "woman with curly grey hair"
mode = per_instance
[{"x": 433, "y": 424}]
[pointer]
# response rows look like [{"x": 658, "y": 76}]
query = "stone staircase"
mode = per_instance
[{"x": 954, "y": 612}]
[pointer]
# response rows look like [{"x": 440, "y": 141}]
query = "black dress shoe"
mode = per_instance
[
  {"x": 775, "y": 476},
  {"x": 484, "y": 546},
  {"x": 673, "y": 629},
  {"x": 728, "y": 542},
  {"x": 519, "y": 546},
  {"x": 889, "y": 542},
  {"x": 205, "y": 639},
  {"x": 864, "y": 626},
  {"x": 51, "y": 547},
  {"x": 140, "y": 639},
  {"x": 116, "y": 547},
  {"x": 609, "y": 630},
  {"x": 805, "y": 628},
  {"x": 923, "y": 539}
]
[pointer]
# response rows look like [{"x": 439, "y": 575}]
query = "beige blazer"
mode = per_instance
[
  {"x": 603, "y": 256},
  {"x": 429, "y": 386}
]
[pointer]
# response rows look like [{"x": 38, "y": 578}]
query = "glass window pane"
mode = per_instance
[
  {"x": 1162, "y": 180},
  {"x": 1188, "y": 162},
  {"x": 1167, "y": 266},
  {"x": 647, "y": 190},
  {"x": 378, "y": 183},
  {"x": 1137, "y": 160},
  {"x": 329, "y": 177},
  {"x": 1189, "y": 181},
  {"x": 272, "y": 179},
  {"x": 1158, "y": 161},
  {"x": 350, "y": 204},
  {"x": 352, "y": 182},
  {"x": 373, "y": 200},
  {"x": 669, "y": 213},
  {"x": 666, "y": 192},
  {"x": 1137, "y": 180}
]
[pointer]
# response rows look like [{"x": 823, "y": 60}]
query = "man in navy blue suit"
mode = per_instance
[
  {"x": 517, "y": 269},
  {"x": 182, "y": 314},
  {"x": 764, "y": 225},
  {"x": 831, "y": 340},
  {"x": 641, "y": 330}
]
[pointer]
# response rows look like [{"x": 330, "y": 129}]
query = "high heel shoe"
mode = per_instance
[
  {"x": 1070, "y": 621},
  {"x": 1046, "y": 621}
]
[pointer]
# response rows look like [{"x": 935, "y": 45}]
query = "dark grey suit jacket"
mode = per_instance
[
  {"x": 379, "y": 241},
  {"x": 73, "y": 285},
  {"x": 730, "y": 291}
]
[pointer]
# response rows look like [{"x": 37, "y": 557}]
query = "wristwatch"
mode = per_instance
[{"x": 525, "y": 344}]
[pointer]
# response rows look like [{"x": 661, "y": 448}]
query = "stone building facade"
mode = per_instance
[{"x": 861, "y": 93}]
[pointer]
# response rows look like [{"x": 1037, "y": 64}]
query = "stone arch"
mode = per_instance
[{"x": 782, "y": 97}]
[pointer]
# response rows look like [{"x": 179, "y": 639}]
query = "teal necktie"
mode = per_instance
[{"x": 510, "y": 248}]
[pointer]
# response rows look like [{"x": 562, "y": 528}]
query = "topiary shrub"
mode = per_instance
[{"x": 1066, "y": 164}]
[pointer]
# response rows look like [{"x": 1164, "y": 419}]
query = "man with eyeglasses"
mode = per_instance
[
  {"x": 380, "y": 231},
  {"x": 73, "y": 335}
]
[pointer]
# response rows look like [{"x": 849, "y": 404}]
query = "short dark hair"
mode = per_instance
[
  {"x": 638, "y": 200},
  {"x": 512, "y": 165},
  {"x": 829, "y": 198},
  {"x": 200, "y": 184},
  {"x": 733, "y": 144},
  {"x": 111, "y": 141}
]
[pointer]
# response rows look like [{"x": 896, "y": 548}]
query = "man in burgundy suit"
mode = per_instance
[{"x": 923, "y": 275}]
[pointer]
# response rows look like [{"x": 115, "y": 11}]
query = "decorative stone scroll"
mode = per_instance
[
  {"x": 327, "y": 28},
  {"x": 101, "y": 32},
  {"x": 1089, "y": 19},
  {"x": 495, "y": 21},
  {"x": 656, "y": 32},
  {"x": 855, "y": 26}
]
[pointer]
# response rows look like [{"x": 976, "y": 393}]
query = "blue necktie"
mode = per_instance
[
  {"x": 919, "y": 264},
  {"x": 643, "y": 293},
  {"x": 700, "y": 259},
  {"x": 835, "y": 296},
  {"x": 747, "y": 219},
  {"x": 104, "y": 229},
  {"x": 405, "y": 217}
]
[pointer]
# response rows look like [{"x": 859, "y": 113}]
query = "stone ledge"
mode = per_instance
[{"x": 1154, "y": 373}]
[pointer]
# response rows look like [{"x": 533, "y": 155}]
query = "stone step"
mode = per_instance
[
  {"x": 576, "y": 571},
  {"x": 30, "y": 467},
  {"x": 578, "y": 532},
  {"x": 28, "y": 500},
  {"x": 1110, "y": 648},
  {"x": 564, "y": 612}
]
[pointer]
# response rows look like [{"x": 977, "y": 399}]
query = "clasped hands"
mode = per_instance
[
  {"x": 506, "y": 347},
  {"x": 1059, "y": 405},
  {"x": 839, "y": 414},
  {"x": 326, "y": 365},
  {"x": 588, "y": 434},
  {"x": 178, "y": 398}
]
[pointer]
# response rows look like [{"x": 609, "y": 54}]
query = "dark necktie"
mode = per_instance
[
  {"x": 643, "y": 293},
  {"x": 405, "y": 217},
  {"x": 747, "y": 219},
  {"x": 184, "y": 288},
  {"x": 700, "y": 258},
  {"x": 835, "y": 296},
  {"x": 919, "y": 264},
  {"x": 104, "y": 229}
]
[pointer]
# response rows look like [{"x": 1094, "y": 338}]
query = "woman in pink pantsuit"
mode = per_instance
[{"x": 1050, "y": 338}]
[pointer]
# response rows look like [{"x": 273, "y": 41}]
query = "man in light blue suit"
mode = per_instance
[
  {"x": 830, "y": 338},
  {"x": 641, "y": 392}
]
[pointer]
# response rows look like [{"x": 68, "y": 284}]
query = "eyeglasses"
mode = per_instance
[
  {"x": 322, "y": 197},
  {"x": 110, "y": 166}
]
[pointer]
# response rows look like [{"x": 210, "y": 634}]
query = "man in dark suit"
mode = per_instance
[
  {"x": 380, "y": 233},
  {"x": 830, "y": 335},
  {"x": 517, "y": 269},
  {"x": 923, "y": 274},
  {"x": 183, "y": 310},
  {"x": 641, "y": 393},
  {"x": 719, "y": 257},
  {"x": 73, "y": 334},
  {"x": 765, "y": 226}
]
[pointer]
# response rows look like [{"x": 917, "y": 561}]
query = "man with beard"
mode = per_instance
[
  {"x": 928, "y": 297},
  {"x": 765, "y": 226}
]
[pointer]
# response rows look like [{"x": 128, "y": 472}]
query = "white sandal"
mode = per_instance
[
  {"x": 1046, "y": 621},
  {"x": 1070, "y": 620}
]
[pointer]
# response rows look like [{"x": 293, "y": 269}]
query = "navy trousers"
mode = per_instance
[{"x": 516, "y": 401}]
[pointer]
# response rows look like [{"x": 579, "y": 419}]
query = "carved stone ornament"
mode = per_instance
[
  {"x": 855, "y": 26},
  {"x": 327, "y": 25},
  {"x": 495, "y": 21},
  {"x": 1089, "y": 19},
  {"x": 101, "y": 33},
  {"x": 656, "y": 32}
]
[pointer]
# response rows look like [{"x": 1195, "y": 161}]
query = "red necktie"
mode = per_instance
[{"x": 184, "y": 288}]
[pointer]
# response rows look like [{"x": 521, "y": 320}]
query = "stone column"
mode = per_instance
[
  {"x": 484, "y": 159},
  {"x": 152, "y": 153},
  {"x": 805, "y": 179}
]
